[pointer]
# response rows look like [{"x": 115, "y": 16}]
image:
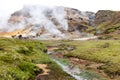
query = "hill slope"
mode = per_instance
[
  {"x": 50, "y": 22},
  {"x": 108, "y": 24}
]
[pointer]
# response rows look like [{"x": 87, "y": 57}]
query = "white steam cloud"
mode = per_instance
[{"x": 50, "y": 18}]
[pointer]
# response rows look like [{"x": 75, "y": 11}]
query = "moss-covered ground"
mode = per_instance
[{"x": 18, "y": 59}]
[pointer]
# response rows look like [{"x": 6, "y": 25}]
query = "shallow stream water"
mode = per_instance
[{"x": 74, "y": 70}]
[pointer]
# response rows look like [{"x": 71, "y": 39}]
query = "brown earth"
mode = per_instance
[{"x": 44, "y": 68}]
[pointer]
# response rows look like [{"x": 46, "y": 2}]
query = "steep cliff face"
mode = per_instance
[{"x": 108, "y": 23}]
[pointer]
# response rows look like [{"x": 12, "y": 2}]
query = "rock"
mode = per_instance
[
  {"x": 104, "y": 16},
  {"x": 78, "y": 20}
]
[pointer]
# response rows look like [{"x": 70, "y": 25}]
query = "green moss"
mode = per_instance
[
  {"x": 64, "y": 61},
  {"x": 60, "y": 75},
  {"x": 18, "y": 59},
  {"x": 90, "y": 75},
  {"x": 112, "y": 69}
]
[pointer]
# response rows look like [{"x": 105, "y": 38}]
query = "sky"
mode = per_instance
[{"x": 10, "y": 6}]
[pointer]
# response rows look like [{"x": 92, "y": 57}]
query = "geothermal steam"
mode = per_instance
[{"x": 52, "y": 19}]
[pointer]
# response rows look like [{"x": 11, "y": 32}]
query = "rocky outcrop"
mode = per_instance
[
  {"x": 78, "y": 20},
  {"x": 75, "y": 20},
  {"x": 104, "y": 16}
]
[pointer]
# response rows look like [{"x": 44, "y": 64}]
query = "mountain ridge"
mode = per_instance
[{"x": 61, "y": 22}]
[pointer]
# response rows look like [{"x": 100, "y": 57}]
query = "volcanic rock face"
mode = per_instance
[
  {"x": 49, "y": 21},
  {"x": 77, "y": 19}
]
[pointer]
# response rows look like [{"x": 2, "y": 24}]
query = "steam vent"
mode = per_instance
[{"x": 48, "y": 23}]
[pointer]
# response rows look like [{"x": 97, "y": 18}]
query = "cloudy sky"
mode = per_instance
[{"x": 9, "y": 6}]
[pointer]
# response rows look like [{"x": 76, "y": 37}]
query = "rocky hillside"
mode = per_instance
[
  {"x": 55, "y": 22},
  {"x": 61, "y": 22},
  {"x": 79, "y": 20},
  {"x": 108, "y": 24}
]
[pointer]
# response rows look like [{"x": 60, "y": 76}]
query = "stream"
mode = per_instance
[
  {"x": 76, "y": 72},
  {"x": 71, "y": 68},
  {"x": 73, "y": 71}
]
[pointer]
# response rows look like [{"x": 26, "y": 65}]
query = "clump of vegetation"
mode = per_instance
[
  {"x": 112, "y": 69},
  {"x": 90, "y": 75},
  {"x": 16, "y": 61},
  {"x": 105, "y": 37},
  {"x": 64, "y": 61},
  {"x": 109, "y": 30}
]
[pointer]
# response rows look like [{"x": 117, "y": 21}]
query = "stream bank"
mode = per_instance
[{"x": 70, "y": 65}]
